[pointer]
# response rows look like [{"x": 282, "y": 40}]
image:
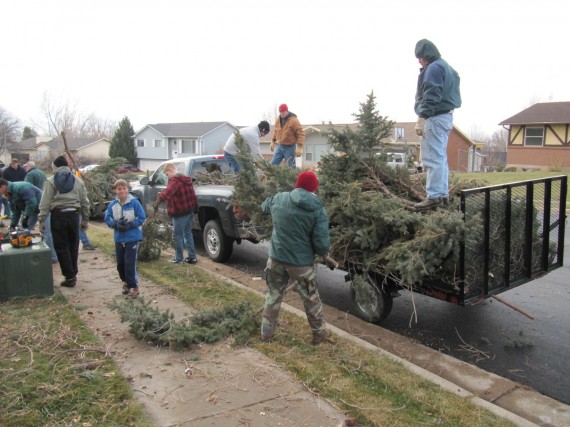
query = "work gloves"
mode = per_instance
[
  {"x": 272, "y": 146},
  {"x": 298, "y": 151},
  {"x": 84, "y": 224},
  {"x": 124, "y": 225},
  {"x": 24, "y": 222},
  {"x": 420, "y": 126}
]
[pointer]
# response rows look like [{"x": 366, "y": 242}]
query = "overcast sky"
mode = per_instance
[{"x": 237, "y": 60}]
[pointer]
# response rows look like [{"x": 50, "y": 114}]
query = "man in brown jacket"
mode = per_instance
[{"x": 289, "y": 136}]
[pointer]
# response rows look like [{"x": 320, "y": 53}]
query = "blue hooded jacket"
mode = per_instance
[
  {"x": 438, "y": 83},
  {"x": 133, "y": 212}
]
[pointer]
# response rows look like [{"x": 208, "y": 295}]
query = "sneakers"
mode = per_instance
[
  {"x": 89, "y": 247},
  {"x": 133, "y": 292},
  {"x": 175, "y": 261},
  {"x": 191, "y": 261},
  {"x": 125, "y": 290},
  {"x": 69, "y": 283},
  {"x": 428, "y": 204},
  {"x": 318, "y": 339}
]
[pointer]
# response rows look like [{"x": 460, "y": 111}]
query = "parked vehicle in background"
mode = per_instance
[
  {"x": 127, "y": 168},
  {"x": 397, "y": 160},
  {"x": 401, "y": 160},
  {"x": 215, "y": 215},
  {"x": 87, "y": 168}
]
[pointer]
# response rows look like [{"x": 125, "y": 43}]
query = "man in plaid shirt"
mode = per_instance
[{"x": 181, "y": 203}]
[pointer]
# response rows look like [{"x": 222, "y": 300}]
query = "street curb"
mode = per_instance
[{"x": 427, "y": 375}]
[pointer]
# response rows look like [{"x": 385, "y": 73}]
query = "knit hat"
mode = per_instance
[
  {"x": 60, "y": 161},
  {"x": 263, "y": 126},
  {"x": 308, "y": 181},
  {"x": 283, "y": 107}
]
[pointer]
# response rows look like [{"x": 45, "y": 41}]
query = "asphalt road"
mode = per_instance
[{"x": 489, "y": 335}]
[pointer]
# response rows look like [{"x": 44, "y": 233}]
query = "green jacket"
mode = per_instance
[
  {"x": 300, "y": 227},
  {"x": 24, "y": 200},
  {"x": 36, "y": 177}
]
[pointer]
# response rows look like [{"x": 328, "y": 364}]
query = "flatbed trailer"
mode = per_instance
[{"x": 523, "y": 225}]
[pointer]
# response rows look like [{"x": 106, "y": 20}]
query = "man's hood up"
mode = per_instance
[
  {"x": 64, "y": 180},
  {"x": 427, "y": 50},
  {"x": 305, "y": 200}
]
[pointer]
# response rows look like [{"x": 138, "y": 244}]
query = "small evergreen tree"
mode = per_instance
[
  {"x": 28, "y": 132},
  {"x": 122, "y": 144}
]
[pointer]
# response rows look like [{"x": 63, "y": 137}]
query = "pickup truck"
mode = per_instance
[{"x": 215, "y": 216}]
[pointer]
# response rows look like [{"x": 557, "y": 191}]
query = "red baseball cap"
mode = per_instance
[{"x": 283, "y": 107}]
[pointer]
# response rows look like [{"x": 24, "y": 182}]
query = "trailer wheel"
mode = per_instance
[
  {"x": 218, "y": 245},
  {"x": 369, "y": 302}
]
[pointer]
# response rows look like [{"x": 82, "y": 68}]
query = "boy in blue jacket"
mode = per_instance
[{"x": 126, "y": 215}]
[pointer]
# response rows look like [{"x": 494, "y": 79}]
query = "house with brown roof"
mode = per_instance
[
  {"x": 539, "y": 137},
  {"x": 46, "y": 147},
  {"x": 461, "y": 151}
]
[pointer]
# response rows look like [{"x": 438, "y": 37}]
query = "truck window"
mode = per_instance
[
  {"x": 158, "y": 177},
  {"x": 210, "y": 166}
]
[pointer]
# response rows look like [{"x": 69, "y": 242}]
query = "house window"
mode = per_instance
[
  {"x": 309, "y": 157},
  {"x": 158, "y": 143},
  {"x": 140, "y": 142},
  {"x": 534, "y": 136},
  {"x": 399, "y": 133},
  {"x": 189, "y": 146}
]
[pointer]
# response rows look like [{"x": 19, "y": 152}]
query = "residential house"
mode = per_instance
[
  {"x": 42, "y": 147},
  {"x": 27, "y": 148},
  {"x": 461, "y": 153},
  {"x": 539, "y": 137},
  {"x": 158, "y": 142}
]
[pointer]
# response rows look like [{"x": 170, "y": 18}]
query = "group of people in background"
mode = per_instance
[
  {"x": 287, "y": 141},
  {"x": 61, "y": 206}
]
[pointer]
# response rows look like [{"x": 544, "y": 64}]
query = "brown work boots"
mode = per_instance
[
  {"x": 427, "y": 203},
  {"x": 318, "y": 339}
]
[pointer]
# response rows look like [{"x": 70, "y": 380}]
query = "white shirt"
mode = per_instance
[{"x": 251, "y": 136}]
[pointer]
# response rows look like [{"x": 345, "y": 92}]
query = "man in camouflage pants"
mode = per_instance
[{"x": 300, "y": 230}]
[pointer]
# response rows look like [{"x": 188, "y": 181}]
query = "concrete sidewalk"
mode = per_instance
[
  {"x": 221, "y": 386},
  {"x": 210, "y": 385}
]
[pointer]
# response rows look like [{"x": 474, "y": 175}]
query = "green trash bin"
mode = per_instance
[{"x": 25, "y": 272}]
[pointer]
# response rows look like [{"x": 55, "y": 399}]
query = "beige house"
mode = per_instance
[
  {"x": 41, "y": 148},
  {"x": 539, "y": 137}
]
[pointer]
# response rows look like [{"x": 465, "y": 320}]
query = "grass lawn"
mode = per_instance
[
  {"x": 369, "y": 387},
  {"x": 493, "y": 178},
  {"x": 54, "y": 371},
  {"x": 496, "y": 178}
]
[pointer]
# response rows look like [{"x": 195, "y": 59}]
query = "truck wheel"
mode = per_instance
[
  {"x": 369, "y": 302},
  {"x": 217, "y": 244}
]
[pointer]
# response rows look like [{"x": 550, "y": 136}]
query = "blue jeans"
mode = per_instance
[
  {"x": 82, "y": 234},
  {"x": 126, "y": 255},
  {"x": 48, "y": 238},
  {"x": 285, "y": 152},
  {"x": 6, "y": 205},
  {"x": 183, "y": 238},
  {"x": 434, "y": 154},
  {"x": 232, "y": 161}
]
